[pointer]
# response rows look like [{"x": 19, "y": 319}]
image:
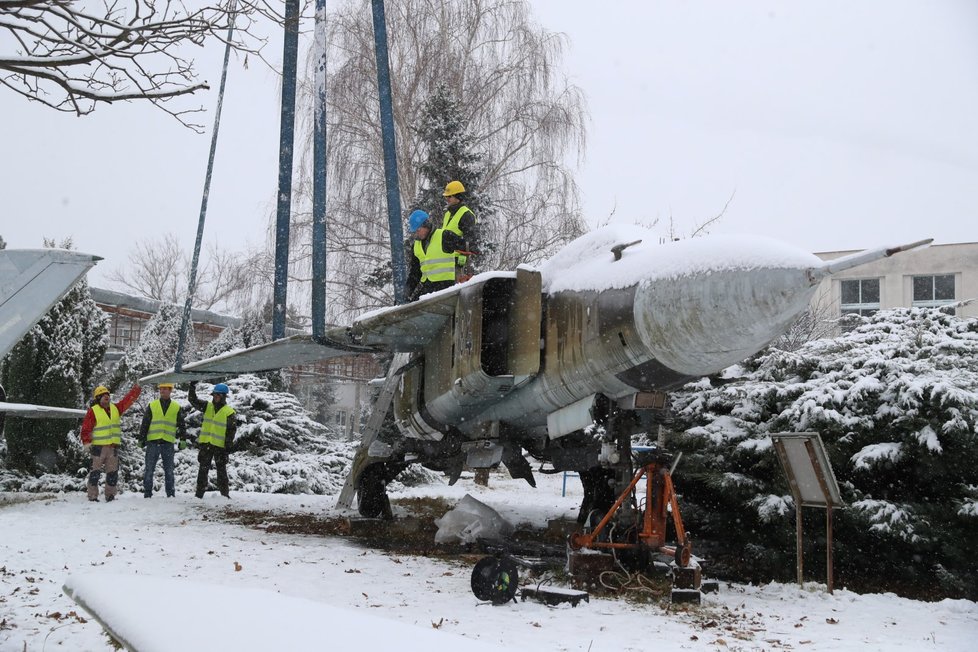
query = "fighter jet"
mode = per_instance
[
  {"x": 558, "y": 362},
  {"x": 31, "y": 282}
]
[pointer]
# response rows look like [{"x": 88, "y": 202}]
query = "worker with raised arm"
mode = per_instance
[
  {"x": 216, "y": 437},
  {"x": 101, "y": 435},
  {"x": 161, "y": 427}
]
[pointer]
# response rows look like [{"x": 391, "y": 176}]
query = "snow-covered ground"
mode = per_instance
[{"x": 44, "y": 542}]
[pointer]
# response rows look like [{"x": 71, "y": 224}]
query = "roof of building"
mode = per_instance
[{"x": 152, "y": 306}]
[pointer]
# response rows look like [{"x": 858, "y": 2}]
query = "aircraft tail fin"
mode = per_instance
[{"x": 31, "y": 282}]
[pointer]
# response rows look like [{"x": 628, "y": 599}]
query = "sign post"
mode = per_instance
[{"x": 812, "y": 483}]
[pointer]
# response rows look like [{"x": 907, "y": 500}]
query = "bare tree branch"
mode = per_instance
[
  {"x": 73, "y": 55},
  {"x": 527, "y": 120},
  {"x": 159, "y": 268}
]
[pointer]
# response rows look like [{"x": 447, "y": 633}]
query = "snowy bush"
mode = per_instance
[{"x": 896, "y": 404}]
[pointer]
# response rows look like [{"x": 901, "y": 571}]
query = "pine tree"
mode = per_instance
[
  {"x": 56, "y": 364},
  {"x": 449, "y": 155},
  {"x": 156, "y": 348}
]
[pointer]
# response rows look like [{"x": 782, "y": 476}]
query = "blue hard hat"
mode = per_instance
[
  {"x": 416, "y": 219},
  {"x": 220, "y": 388}
]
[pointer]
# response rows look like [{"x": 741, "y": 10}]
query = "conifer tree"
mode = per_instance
[
  {"x": 156, "y": 348},
  {"x": 895, "y": 402},
  {"x": 449, "y": 154}
]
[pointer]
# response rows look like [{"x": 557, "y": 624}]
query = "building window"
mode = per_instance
[
  {"x": 125, "y": 331},
  {"x": 933, "y": 291},
  {"x": 860, "y": 296}
]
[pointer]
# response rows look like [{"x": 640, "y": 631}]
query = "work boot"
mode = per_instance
[
  {"x": 109, "y": 499},
  {"x": 93, "y": 500}
]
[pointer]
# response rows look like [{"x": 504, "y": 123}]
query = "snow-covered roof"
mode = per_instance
[{"x": 152, "y": 306}]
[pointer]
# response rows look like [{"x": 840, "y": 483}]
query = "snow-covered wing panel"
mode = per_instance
[
  {"x": 409, "y": 327},
  {"x": 243, "y": 619},
  {"x": 31, "y": 281},
  {"x": 26, "y": 410},
  {"x": 288, "y": 352}
]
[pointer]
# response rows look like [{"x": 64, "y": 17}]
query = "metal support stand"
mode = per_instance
[
  {"x": 372, "y": 429},
  {"x": 660, "y": 496}
]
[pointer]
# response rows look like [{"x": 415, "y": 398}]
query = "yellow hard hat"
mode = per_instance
[
  {"x": 165, "y": 386},
  {"x": 453, "y": 188},
  {"x": 101, "y": 389}
]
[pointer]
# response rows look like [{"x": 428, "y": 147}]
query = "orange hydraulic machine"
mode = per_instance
[{"x": 639, "y": 526}]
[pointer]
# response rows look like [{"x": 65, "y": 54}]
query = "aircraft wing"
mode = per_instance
[
  {"x": 410, "y": 326},
  {"x": 31, "y": 281},
  {"x": 28, "y": 411},
  {"x": 402, "y": 328},
  {"x": 287, "y": 352}
]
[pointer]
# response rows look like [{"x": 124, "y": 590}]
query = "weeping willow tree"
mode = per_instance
[{"x": 523, "y": 119}]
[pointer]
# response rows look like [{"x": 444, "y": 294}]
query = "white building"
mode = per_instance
[{"x": 933, "y": 276}]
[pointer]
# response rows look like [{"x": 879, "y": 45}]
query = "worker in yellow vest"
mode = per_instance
[
  {"x": 161, "y": 427},
  {"x": 419, "y": 228},
  {"x": 101, "y": 435},
  {"x": 430, "y": 257},
  {"x": 460, "y": 220},
  {"x": 216, "y": 436}
]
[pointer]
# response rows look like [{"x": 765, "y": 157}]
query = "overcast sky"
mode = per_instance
[{"x": 833, "y": 125}]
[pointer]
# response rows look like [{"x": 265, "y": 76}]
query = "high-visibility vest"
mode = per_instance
[
  {"x": 108, "y": 427},
  {"x": 436, "y": 264},
  {"x": 163, "y": 425},
  {"x": 450, "y": 223},
  {"x": 214, "y": 427}
]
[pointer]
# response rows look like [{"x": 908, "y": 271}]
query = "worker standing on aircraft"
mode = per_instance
[
  {"x": 101, "y": 435},
  {"x": 460, "y": 220},
  {"x": 431, "y": 256},
  {"x": 162, "y": 425},
  {"x": 419, "y": 229},
  {"x": 216, "y": 437}
]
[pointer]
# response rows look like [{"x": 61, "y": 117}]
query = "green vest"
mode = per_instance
[
  {"x": 163, "y": 425},
  {"x": 214, "y": 427},
  {"x": 436, "y": 264},
  {"x": 450, "y": 223},
  {"x": 108, "y": 428}
]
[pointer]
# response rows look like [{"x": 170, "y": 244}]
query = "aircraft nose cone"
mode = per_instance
[{"x": 702, "y": 322}]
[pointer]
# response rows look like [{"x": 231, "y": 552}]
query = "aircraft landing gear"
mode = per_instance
[
  {"x": 372, "y": 500},
  {"x": 599, "y": 495}
]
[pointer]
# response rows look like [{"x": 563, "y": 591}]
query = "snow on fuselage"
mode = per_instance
[{"x": 659, "y": 316}]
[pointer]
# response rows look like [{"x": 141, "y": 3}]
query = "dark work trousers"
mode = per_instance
[
  {"x": 155, "y": 450},
  {"x": 220, "y": 457},
  {"x": 104, "y": 457}
]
